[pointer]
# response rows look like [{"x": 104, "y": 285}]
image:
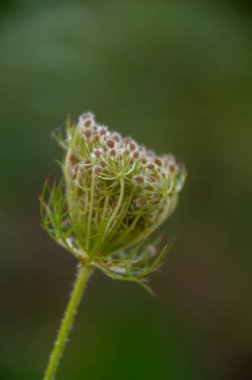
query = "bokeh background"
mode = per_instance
[{"x": 176, "y": 75}]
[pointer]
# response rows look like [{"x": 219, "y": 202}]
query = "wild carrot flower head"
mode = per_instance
[{"x": 113, "y": 195}]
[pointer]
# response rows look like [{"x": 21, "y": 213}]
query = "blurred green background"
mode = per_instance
[{"x": 176, "y": 75}]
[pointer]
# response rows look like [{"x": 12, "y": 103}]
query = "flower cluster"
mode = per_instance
[{"x": 114, "y": 194}]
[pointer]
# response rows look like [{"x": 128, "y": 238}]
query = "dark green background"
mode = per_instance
[{"x": 176, "y": 75}]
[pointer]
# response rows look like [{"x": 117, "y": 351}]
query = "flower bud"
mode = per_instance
[{"x": 121, "y": 194}]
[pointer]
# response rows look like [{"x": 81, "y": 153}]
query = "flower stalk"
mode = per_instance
[{"x": 83, "y": 273}]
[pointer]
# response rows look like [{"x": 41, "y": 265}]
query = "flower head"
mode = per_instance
[{"x": 113, "y": 195}]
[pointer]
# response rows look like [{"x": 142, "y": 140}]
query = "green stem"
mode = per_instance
[{"x": 66, "y": 324}]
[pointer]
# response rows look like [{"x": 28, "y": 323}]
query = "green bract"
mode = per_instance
[{"x": 114, "y": 193}]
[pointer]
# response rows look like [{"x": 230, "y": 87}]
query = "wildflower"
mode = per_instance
[{"x": 113, "y": 195}]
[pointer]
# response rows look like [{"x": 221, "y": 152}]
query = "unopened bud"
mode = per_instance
[
  {"x": 139, "y": 179},
  {"x": 110, "y": 143}
]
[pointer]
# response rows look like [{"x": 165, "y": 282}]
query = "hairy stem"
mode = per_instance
[{"x": 83, "y": 274}]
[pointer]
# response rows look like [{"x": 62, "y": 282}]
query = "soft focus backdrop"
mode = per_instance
[{"x": 178, "y": 77}]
